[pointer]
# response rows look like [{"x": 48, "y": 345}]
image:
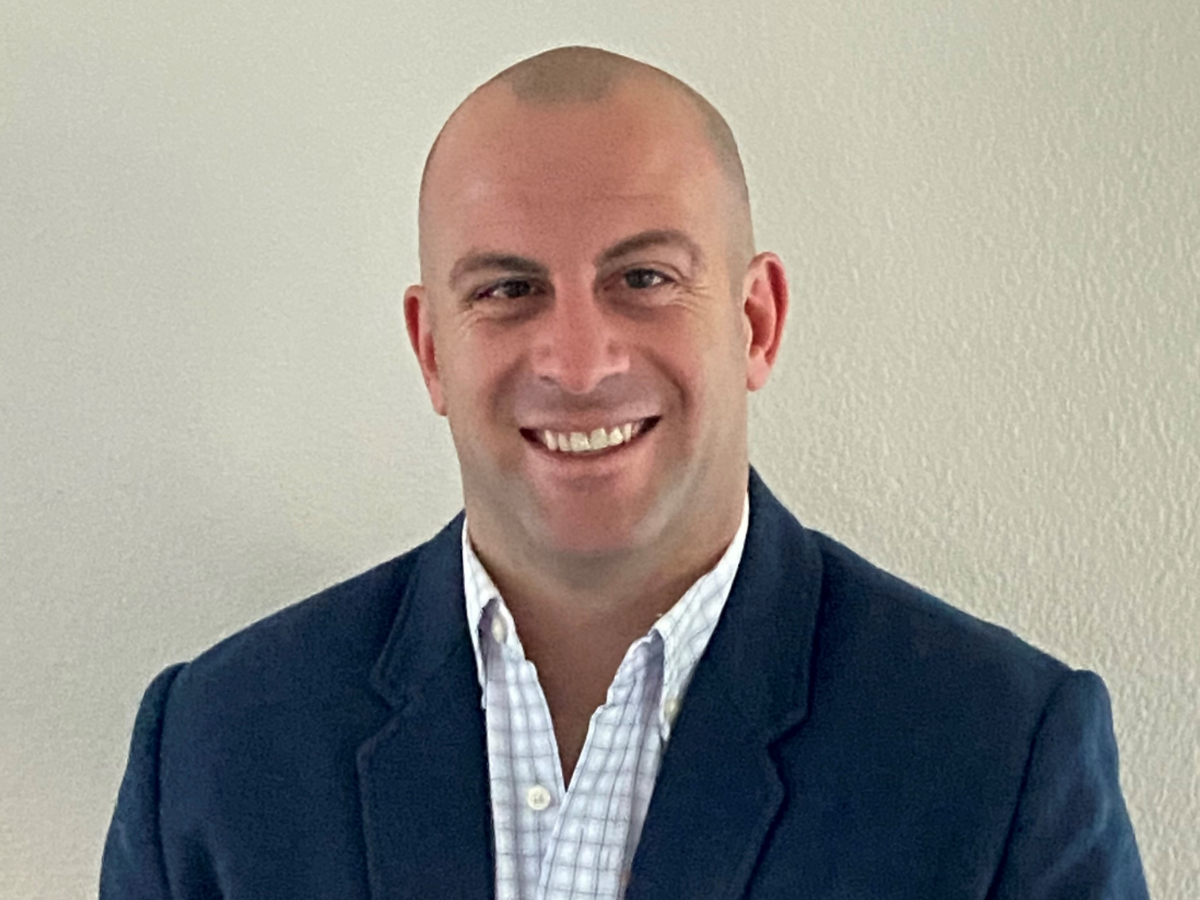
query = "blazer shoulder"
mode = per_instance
[
  {"x": 897, "y": 628},
  {"x": 311, "y": 646},
  {"x": 361, "y": 607}
]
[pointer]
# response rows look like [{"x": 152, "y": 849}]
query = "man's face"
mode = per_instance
[{"x": 577, "y": 278}]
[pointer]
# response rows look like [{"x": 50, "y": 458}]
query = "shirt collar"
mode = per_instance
[
  {"x": 688, "y": 625},
  {"x": 684, "y": 630},
  {"x": 480, "y": 592}
]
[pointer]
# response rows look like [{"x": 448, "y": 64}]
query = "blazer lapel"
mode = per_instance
[
  {"x": 718, "y": 790},
  {"x": 423, "y": 777}
]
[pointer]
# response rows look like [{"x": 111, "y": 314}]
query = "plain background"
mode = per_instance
[{"x": 990, "y": 213}]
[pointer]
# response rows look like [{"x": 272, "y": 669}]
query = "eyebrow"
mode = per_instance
[
  {"x": 658, "y": 237},
  {"x": 523, "y": 265},
  {"x": 490, "y": 262}
]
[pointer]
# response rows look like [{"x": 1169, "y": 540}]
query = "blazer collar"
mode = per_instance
[
  {"x": 431, "y": 624},
  {"x": 761, "y": 651},
  {"x": 718, "y": 790},
  {"x": 423, "y": 777}
]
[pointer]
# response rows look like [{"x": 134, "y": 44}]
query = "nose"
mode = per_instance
[{"x": 578, "y": 343}]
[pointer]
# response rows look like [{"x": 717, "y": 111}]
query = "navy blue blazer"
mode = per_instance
[{"x": 844, "y": 736}]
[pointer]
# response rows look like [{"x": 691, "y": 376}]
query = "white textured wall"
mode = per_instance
[{"x": 991, "y": 214}]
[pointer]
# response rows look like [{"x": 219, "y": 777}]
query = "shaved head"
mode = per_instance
[{"x": 588, "y": 75}]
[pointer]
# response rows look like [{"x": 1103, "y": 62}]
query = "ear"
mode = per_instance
[
  {"x": 764, "y": 306},
  {"x": 418, "y": 321}
]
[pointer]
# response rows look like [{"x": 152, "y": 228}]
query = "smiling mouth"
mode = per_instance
[{"x": 589, "y": 443}]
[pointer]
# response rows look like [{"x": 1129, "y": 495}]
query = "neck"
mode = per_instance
[{"x": 577, "y": 618}]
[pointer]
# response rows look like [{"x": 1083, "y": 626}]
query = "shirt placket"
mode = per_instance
[
  {"x": 587, "y": 850},
  {"x": 525, "y": 757}
]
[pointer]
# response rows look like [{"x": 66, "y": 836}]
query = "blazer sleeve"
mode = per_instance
[
  {"x": 1071, "y": 835},
  {"x": 132, "y": 867}
]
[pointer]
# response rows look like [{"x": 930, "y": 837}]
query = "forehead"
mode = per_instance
[{"x": 509, "y": 170}]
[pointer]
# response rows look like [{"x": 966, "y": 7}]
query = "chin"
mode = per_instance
[{"x": 584, "y": 533}]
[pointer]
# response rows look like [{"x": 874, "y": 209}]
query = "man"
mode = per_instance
[{"x": 629, "y": 671}]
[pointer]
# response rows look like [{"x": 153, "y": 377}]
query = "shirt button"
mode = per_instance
[
  {"x": 537, "y": 797},
  {"x": 499, "y": 631},
  {"x": 671, "y": 709}
]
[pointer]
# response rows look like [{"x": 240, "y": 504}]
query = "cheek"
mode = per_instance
[
  {"x": 462, "y": 360},
  {"x": 476, "y": 371},
  {"x": 711, "y": 349},
  {"x": 724, "y": 382},
  {"x": 704, "y": 375}
]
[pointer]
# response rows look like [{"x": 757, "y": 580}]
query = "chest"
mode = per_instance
[{"x": 569, "y": 792}]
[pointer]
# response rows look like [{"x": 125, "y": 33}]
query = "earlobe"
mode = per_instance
[
  {"x": 418, "y": 322},
  {"x": 765, "y": 307}
]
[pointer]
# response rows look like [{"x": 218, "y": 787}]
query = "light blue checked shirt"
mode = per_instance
[{"x": 555, "y": 843}]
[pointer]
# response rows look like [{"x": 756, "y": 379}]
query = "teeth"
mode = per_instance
[{"x": 601, "y": 438}]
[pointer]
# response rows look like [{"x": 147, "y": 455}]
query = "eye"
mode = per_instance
[
  {"x": 640, "y": 279},
  {"x": 509, "y": 289}
]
